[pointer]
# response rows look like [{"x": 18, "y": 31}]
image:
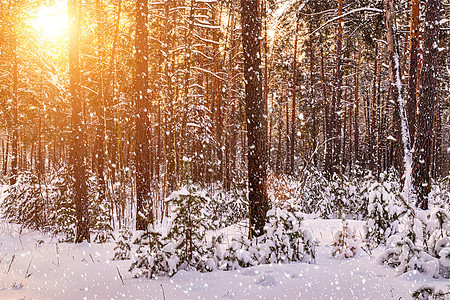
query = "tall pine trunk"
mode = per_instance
[
  {"x": 78, "y": 147},
  {"x": 255, "y": 116},
  {"x": 337, "y": 99},
  {"x": 294, "y": 99},
  {"x": 101, "y": 126},
  {"x": 413, "y": 64},
  {"x": 427, "y": 105},
  {"x": 14, "y": 115},
  {"x": 356, "y": 113},
  {"x": 142, "y": 119}
]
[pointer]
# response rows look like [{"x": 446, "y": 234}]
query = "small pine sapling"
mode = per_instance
[
  {"x": 241, "y": 253},
  {"x": 180, "y": 242},
  {"x": 419, "y": 247},
  {"x": 345, "y": 243},
  {"x": 155, "y": 255},
  {"x": 287, "y": 242},
  {"x": 123, "y": 245},
  {"x": 426, "y": 292},
  {"x": 383, "y": 216},
  {"x": 24, "y": 202},
  {"x": 100, "y": 220},
  {"x": 283, "y": 241},
  {"x": 189, "y": 226},
  {"x": 62, "y": 216}
]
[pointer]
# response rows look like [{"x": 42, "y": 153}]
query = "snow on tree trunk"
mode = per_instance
[{"x": 394, "y": 71}]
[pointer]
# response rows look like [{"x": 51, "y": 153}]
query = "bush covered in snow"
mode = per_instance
[
  {"x": 62, "y": 219},
  {"x": 423, "y": 245},
  {"x": 313, "y": 193},
  {"x": 440, "y": 194},
  {"x": 24, "y": 203},
  {"x": 343, "y": 195},
  {"x": 49, "y": 205},
  {"x": 122, "y": 250},
  {"x": 345, "y": 243},
  {"x": 226, "y": 208},
  {"x": 427, "y": 292},
  {"x": 383, "y": 212},
  {"x": 180, "y": 241},
  {"x": 283, "y": 241}
]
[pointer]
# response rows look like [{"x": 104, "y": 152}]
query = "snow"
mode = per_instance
[
  {"x": 182, "y": 192},
  {"x": 69, "y": 271}
]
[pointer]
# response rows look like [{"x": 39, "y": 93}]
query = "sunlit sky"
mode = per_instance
[{"x": 51, "y": 22}]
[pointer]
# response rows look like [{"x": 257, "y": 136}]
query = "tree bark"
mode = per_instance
[
  {"x": 78, "y": 147},
  {"x": 356, "y": 113},
  {"x": 427, "y": 105},
  {"x": 327, "y": 126},
  {"x": 294, "y": 99},
  {"x": 143, "y": 214},
  {"x": 101, "y": 126},
  {"x": 337, "y": 105},
  {"x": 413, "y": 64},
  {"x": 14, "y": 115},
  {"x": 254, "y": 116}
]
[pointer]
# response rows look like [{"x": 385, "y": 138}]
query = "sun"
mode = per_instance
[{"x": 51, "y": 22}]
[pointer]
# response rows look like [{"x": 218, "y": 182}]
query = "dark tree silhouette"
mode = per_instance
[
  {"x": 427, "y": 105},
  {"x": 142, "y": 119},
  {"x": 255, "y": 116},
  {"x": 78, "y": 146}
]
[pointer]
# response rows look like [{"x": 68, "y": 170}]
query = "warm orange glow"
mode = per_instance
[{"x": 51, "y": 22}]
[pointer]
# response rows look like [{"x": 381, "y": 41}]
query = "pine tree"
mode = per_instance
[
  {"x": 427, "y": 104},
  {"x": 142, "y": 118},
  {"x": 254, "y": 103},
  {"x": 78, "y": 146}
]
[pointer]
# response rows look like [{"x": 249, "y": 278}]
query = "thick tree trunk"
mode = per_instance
[
  {"x": 413, "y": 64},
  {"x": 266, "y": 86},
  {"x": 144, "y": 214},
  {"x": 254, "y": 116},
  {"x": 112, "y": 152},
  {"x": 101, "y": 126},
  {"x": 427, "y": 105},
  {"x": 78, "y": 147},
  {"x": 371, "y": 111}
]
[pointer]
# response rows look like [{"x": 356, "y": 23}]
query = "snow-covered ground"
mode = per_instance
[{"x": 35, "y": 266}]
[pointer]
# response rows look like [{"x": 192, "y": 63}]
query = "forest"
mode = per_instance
[{"x": 172, "y": 145}]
